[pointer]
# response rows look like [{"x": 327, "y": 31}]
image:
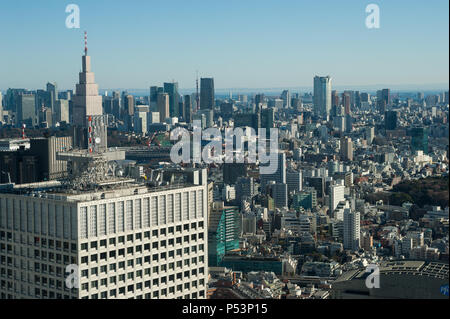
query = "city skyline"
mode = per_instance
[
  {"x": 257, "y": 175},
  {"x": 137, "y": 56}
]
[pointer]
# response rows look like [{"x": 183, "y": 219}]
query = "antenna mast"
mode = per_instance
[
  {"x": 85, "y": 43},
  {"x": 197, "y": 95}
]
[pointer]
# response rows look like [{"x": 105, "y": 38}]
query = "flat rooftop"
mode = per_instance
[{"x": 112, "y": 189}]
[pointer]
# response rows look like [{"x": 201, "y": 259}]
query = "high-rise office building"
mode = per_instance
[
  {"x": 188, "y": 110},
  {"x": 62, "y": 111},
  {"x": 306, "y": 199},
  {"x": 223, "y": 232},
  {"x": 352, "y": 232},
  {"x": 390, "y": 120},
  {"x": 52, "y": 89},
  {"x": 336, "y": 195},
  {"x": 129, "y": 105},
  {"x": 334, "y": 99},
  {"x": 383, "y": 100},
  {"x": 286, "y": 97},
  {"x": 174, "y": 97},
  {"x": 232, "y": 171},
  {"x": 123, "y": 242},
  {"x": 252, "y": 120},
  {"x": 26, "y": 110},
  {"x": 365, "y": 97},
  {"x": 346, "y": 102},
  {"x": 259, "y": 100},
  {"x": 280, "y": 174},
  {"x": 419, "y": 139},
  {"x": 279, "y": 192},
  {"x": 128, "y": 111},
  {"x": 245, "y": 188},
  {"x": 207, "y": 99},
  {"x": 140, "y": 119},
  {"x": 163, "y": 106},
  {"x": 357, "y": 97},
  {"x": 322, "y": 96},
  {"x": 45, "y": 149},
  {"x": 88, "y": 108},
  {"x": 370, "y": 134},
  {"x": 267, "y": 120},
  {"x": 294, "y": 181},
  {"x": 153, "y": 99},
  {"x": 86, "y": 100},
  {"x": 346, "y": 149}
]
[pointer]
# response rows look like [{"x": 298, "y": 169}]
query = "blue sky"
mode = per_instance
[{"x": 242, "y": 44}]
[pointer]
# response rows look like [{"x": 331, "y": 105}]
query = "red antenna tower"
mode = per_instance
[
  {"x": 23, "y": 131},
  {"x": 197, "y": 95},
  {"x": 85, "y": 43}
]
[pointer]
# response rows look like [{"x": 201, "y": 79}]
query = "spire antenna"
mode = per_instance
[
  {"x": 197, "y": 95},
  {"x": 85, "y": 43}
]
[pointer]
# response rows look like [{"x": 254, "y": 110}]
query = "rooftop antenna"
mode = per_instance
[
  {"x": 23, "y": 131},
  {"x": 85, "y": 43},
  {"x": 197, "y": 95}
]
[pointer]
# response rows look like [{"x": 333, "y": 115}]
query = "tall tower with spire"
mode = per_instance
[
  {"x": 89, "y": 123},
  {"x": 86, "y": 100}
]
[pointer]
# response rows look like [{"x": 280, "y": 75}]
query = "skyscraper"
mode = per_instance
[
  {"x": 294, "y": 181},
  {"x": 172, "y": 90},
  {"x": 370, "y": 134},
  {"x": 352, "y": 233},
  {"x": 163, "y": 106},
  {"x": 336, "y": 195},
  {"x": 346, "y": 102},
  {"x": 52, "y": 89},
  {"x": 280, "y": 175},
  {"x": 346, "y": 149},
  {"x": 188, "y": 108},
  {"x": 390, "y": 120},
  {"x": 86, "y": 100},
  {"x": 26, "y": 109},
  {"x": 206, "y": 93},
  {"x": 153, "y": 99},
  {"x": 279, "y": 192},
  {"x": 223, "y": 232},
  {"x": 88, "y": 104},
  {"x": 383, "y": 100},
  {"x": 259, "y": 100},
  {"x": 322, "y": 96},
  {"x": 334, "y": 99},
  {"x": 136, "y": 243},
  {"x": 419, "y": 139},
  {"x": 286, "y": 97}
]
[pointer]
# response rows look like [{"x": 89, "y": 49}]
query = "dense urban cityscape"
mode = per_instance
[{"x": 93, "y": 205}]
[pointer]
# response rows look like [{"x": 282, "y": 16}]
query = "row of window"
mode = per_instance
[
  {"x": 51, "y": 270},
  {"x": 146, "y": 235},
  {"x": 122, "y": 252},
  {"x": 113, "y": 293},
  {"x": 39, "y": 241},
  {"x": 85, "y": 273}
]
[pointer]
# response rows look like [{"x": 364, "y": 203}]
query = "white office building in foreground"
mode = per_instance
[{"x": 128, "y": 241}]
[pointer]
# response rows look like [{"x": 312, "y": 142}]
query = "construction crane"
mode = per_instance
[{"x": 153, "y": 139}]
